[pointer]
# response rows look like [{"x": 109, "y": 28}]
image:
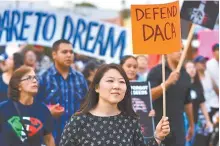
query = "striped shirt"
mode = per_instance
[{"x": 67, "y": 92}]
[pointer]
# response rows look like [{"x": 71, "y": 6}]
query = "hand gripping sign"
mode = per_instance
[{"x": 156, "y": 30}]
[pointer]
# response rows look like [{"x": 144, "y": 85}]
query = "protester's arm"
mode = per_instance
[
  {"x": 189, "y": 112},
  {"x": 215, "y": 87},
  {"x": 49, "y": 140},
  {"x": 158, "y": 90},
  {"x": 205, "y": 113}
]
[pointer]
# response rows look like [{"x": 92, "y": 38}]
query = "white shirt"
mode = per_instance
[
  {"x": 209, "y": 93},
  {"x": 213, "y": 69}
]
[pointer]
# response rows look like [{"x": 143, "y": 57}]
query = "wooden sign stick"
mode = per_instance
[
  {"x": 163, "y": 85},
  {"x": 186, "y": 47}
]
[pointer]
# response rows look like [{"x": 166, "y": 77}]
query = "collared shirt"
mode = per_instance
[
  {"x": 176, "y": 97},
  {"x": 67, "y": 92}
]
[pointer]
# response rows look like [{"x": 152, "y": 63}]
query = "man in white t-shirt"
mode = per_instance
[
  {"x": 210, "y": 94},
  {"x": 213, "y": 65}
]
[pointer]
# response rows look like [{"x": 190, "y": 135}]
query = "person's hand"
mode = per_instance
[
  {"x": 190, "y": 133},
  {"x": 209, "y": 125},
  {"x": 151, "y": 113},
  {"x": 162, "y": 129},
  {"x": 56, "y": 110},
  {"x": 173, "y": 78}
]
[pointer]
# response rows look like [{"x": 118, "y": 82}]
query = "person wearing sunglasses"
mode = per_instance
[{"x": 23, "y": 121}]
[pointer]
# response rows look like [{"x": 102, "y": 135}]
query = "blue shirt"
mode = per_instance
[
  {"x": 36, "y": 118},
  {"x": 67, "y": 92},
  {"x": 3, "y": 89}
]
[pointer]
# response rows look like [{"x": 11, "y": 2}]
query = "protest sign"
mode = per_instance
[
  {"x": 203, "y": 13},
  {"x": 207, "y": 39},
  {"x": 199, "y": 12},
  {"x": 142, "y": 105},
  {"x": 156, "y": 28},
  {"x": 43, "y": 27}
]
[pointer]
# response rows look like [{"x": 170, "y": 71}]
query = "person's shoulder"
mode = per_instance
[
  {"x": 41, "y": 106},
  {"x": 4, "y": 104},
  {"x": 47, "y": 72},
  {"x": 78, "y": 119},
  {"x": 78, "y": 74},
  {"x": 210, "y": 63},
  {"x": 130, "y": 118},
  {"x": 157, "y": 67}
]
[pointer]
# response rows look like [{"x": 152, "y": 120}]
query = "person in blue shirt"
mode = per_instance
[
  {"x": 9, "y": 65},
  {"x": 62, "y": 86},
  {"x": 24, "y": 122}
]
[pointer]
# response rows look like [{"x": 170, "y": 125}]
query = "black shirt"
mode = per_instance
[
  {"x": 197, "y": 98},
  {"x": 90, "y": 130},
  {"x": 176, "y": 97}
]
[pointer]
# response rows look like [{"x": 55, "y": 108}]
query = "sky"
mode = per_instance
[{"x": 110, "y": 4}]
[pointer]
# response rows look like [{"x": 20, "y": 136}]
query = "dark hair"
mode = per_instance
[
  {"x": 56, "y": 44},
  {"x": 215, "y": 47},
  {"x": 90, "y": 66},
  {"x": 13, "y": 91},
  {"x": 92, "y": 96},
  {"x": 18, "y": 60},
  {"x": 125, "y": 58},
  {"x": 196, "y": 78},
  {"x": 141, "y": 56}
]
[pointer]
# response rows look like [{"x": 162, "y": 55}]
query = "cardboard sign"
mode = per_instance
[
  {"x": 156, "y": 28},
  {"x": 203, "y": 13},
  {"x": 207, "y": 39},
  {"x": 142, "y": 105}
]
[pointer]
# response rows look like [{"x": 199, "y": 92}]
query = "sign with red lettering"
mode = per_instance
[{"x": 156, "y": 28}]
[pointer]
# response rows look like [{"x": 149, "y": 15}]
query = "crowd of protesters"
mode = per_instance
[{"x": 64, "y": 80}]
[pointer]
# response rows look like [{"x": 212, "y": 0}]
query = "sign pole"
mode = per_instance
[
  {"x": 186, "y": 47},
  {"x": 163, "y": 85}
]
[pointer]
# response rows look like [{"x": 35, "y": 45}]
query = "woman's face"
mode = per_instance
[
  {"x": 30, "y": 58},
  {"x": 29, "y": 83},
  {"x": 130, "y": 67},
  {"x": 191, "y": 69},
  {"x": 112, "y": 87}
]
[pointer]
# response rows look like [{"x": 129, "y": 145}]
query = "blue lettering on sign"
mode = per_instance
[
  {"x": 89, "y": 37},
  {"x": 16, "y": 16},
  {"x": 39, "y": 15},
  {"x": 114, "y": 45},
  {"x": 4, "y": 25},
  {"x": 100, "y": 36},
  {"x": 24, "y": 25},
  {"x": 67, "y": 22},
  {"x": 46, "y": 25},
  {"x": 80, "y": 28}
]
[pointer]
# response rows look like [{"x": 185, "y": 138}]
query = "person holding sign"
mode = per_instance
[
  {"x": 178, "y": 98},
  {"x": 106, "y": 117}
]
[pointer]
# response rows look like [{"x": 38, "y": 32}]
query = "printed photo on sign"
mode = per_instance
[
  {"x": 203, "y": 13},
  {"x": 142, "y": 105}
]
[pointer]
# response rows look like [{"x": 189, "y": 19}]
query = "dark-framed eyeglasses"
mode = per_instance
[{"x": 30, "y": 78}]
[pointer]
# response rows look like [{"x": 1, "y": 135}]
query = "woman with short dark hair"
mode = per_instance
[
  {"x": 106, "y": 117},
  {"x": 24, "y": 122}
]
